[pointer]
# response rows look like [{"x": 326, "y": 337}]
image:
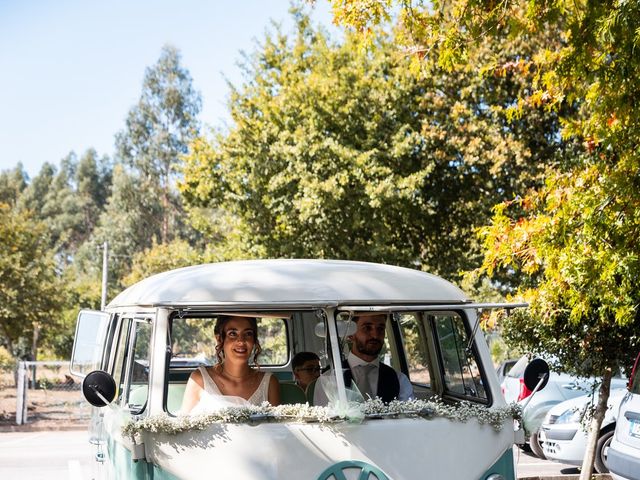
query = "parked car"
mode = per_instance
[
  {"x": 564, "y": 437},
  {"x": 504, "y": 368},
  {"x": 561, "y": 386},
  {"x": 624, "y": 452}
]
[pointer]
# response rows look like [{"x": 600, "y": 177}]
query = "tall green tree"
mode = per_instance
[
  {"x": 339, "y": 151},
  {"x": 69, "y": 200},
  {"x": 574, "y": 238},
  {"x": 92, "y": 182},
  {"x": 61, "y": 206},
  {"x": 30, "y": 293},
  {"x": 158, "y": 130},
  {"x": 128, "y": 223},
  {"x": 12, "y": 184},
  {"x": 34, "y": 196}
]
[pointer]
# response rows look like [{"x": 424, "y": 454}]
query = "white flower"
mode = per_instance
[{"x": 458, "y": 412}]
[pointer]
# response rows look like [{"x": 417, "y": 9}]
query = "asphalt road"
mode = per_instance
[
  {"x": 531, "y": 466},
  {"x": 51, "y": 455},
  {"x": 67, "y": 455}
]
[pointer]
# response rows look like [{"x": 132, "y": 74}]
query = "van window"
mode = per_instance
[
  {"x": 131, "y": 366},
  {"x": 120, "y": 355},
  {"x": 193, "y": 341},
  {"x": 415, "y": 348},
  {"x": 89, "y": 341},
  {"x": 461, "y": 374},
  {"x": 272, "y": 333},
  {"x": 139, "y": 380}
]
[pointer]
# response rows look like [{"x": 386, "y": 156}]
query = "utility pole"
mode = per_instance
[{"x": 105, "y": 274}]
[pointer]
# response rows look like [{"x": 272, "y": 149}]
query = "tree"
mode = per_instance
[
  {"x": 12, "y": 184},
  {"x": 68, "y": 200},
  {"x": 158, "y": 130},
  {"x": 162, "y": 257},
  {"x": 93, "y": 177},
  {"x": 339, "y": 151},
  {"x": 129, "y": 222},
  {"x": 33, "y": 197},
  {"x": 573, "y": 239},
  {"x": 30, "y": 294}
]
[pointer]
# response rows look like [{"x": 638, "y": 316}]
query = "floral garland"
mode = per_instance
[{"x": 375, "y": 408}]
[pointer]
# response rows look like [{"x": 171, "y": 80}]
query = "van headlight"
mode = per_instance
[{"x": 570, "y": 416}]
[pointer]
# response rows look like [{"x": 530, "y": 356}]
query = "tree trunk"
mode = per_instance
[
  {"x": 165, "y": 213},
  {"x": 594, "y": 426},
  {"x": 34, "y": 341},
  {"x": 34, "y": 353}
]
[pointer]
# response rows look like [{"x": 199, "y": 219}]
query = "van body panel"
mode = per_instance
[
  {"x": 505, "y": 466},
  {"x": 399, "y": 448}
]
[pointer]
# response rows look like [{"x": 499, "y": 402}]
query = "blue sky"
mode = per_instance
[{"x": 70, "y": 70}]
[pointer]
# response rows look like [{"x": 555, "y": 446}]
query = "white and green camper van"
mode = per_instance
[{"x": 137, "y": 354}]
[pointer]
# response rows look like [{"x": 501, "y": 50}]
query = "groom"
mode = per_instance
[{"x": 373, "y": 378}]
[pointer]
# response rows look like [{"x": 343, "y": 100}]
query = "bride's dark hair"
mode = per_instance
[{"x": 221, "y": 335}]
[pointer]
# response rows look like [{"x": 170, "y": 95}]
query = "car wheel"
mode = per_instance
[
  {"x": 602, "y": 445},
  {"x": 536, "y": 446}
]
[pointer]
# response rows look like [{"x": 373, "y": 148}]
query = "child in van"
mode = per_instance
[{"x": 306, "y": 368}]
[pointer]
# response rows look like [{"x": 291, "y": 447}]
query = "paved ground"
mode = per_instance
[
  {"x": 531, "y": 466},
  {"x": 47, "y": 455}
]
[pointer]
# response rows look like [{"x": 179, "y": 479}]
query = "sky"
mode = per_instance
[{"x": 70, "y": 70}]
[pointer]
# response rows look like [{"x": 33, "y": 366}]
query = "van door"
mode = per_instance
[
  {"x": 88, "y": 355},
  {"x": 129, "y": 365}
]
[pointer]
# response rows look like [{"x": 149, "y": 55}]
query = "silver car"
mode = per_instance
[
  {"x": 564, "y": 436},
  {"x": 624, "y": 452},
  {"x": 561, "y": 387}
]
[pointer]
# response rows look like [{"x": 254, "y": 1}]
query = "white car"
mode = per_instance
[
  {"x": 624, "y": 452},
  {"x": 564, "y": 437},
  {"x": 561, "y": 387}
]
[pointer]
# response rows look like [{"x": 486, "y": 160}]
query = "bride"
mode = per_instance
[{"x": 232, "y": 381}]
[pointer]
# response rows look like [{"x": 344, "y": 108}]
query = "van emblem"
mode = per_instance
[{"x": 367, "y": 471}]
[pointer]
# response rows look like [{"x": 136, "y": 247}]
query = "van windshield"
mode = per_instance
[{"x": 431, "y": 352}]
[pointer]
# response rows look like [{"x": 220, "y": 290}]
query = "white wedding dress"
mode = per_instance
[{"x": 213, "y": 399}]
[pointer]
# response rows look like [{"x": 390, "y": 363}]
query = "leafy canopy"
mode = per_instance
[
  {"x": 574, "y": 238},
  {"x": 339, "y": 151}
]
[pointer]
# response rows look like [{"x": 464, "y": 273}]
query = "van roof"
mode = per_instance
[{"x": 289, "y": 282}]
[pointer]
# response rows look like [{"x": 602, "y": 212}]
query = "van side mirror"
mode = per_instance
[
  {"x": 537, "y": 370},
  {"x": 99, "y": 388}
]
